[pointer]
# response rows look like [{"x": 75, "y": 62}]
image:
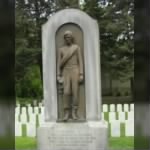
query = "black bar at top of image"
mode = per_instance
[
  {"x": 142, "y": 75},
  {"x": 7, "y": 79}
]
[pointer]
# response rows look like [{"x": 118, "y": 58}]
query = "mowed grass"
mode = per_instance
[
  {"x": 114, "y": 143},
  {"x": 25, "y": 143},
  {"x": 121, "y": 143}
]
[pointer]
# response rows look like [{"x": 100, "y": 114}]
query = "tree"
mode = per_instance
[
  {"x": 61, "y": 4},
  {"x": 36, "y": 13},
  {"x": 116, "y": 35},
  {"x": 30, "y": 15}
]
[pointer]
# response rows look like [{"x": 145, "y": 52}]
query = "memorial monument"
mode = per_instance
[
  {"x": 72, "y": 85},
  {"x": 70, "y": 74}
]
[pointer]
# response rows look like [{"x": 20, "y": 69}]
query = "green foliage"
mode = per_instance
[
  {"x": 25, "y": 101},
  {"x": 29, "y": 19},
  {"x": 116, "y": 35},
  {"x": 116, "y": 25},
  {"x": 30, "y": 84},
  {"x": 61, "y": 4}
]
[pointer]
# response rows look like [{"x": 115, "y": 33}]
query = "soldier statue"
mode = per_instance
[{"x": 70, "y": 74}]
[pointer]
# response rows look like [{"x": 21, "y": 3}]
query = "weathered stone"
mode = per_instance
[
  {"x": 73, "y": 136},
  {"x": 90, "y": 134},
  {"x": 91, "y": 62}
]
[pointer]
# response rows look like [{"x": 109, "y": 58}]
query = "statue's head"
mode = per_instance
[{"x": 68, "y": 36}]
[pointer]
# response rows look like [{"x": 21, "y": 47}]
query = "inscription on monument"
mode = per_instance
[{"x": 71, "y": 141}]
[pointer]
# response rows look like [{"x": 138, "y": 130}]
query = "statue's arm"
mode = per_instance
[
  {"x": 80, "y": 61},
  {"x": 58, "y": 63}
]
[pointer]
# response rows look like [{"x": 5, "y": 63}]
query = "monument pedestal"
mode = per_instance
[{"x": 73, "y": 136}]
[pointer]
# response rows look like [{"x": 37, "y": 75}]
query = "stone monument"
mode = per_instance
[
  {"x": 70, "y": 74},
  {"x": 72, "y": 85}
]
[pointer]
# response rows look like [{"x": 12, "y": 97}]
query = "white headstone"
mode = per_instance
[
  {"x": 105, "y": 108},
  {"x": 115, "y": 129},
  {"x": 31, "y": 129},
  {"x": 16, "y": 117},
  {"x": 131, "y": 107},
  {"x": 121, "y": 117},
  {"x": 36, "y": 110},
  {"x": 112, "y": 107},
  {"x": 112, "y": 116},
  {"x": 126, "y": 107},
  {"x": 30, "y": 110},
  {"x": 18, "y": 129},
  {"x": 23, "y": 118},
  {"x": 129, "y": 128},
  {"x": 32, "y": 118},
  {"x": 23, "y": 110},
  {"x": 41, "y": 119},
  {"x": 119, "y": 107},
  {"x": 131, "y": 115}
]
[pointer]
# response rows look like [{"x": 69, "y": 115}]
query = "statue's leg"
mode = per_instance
[
  {"x": 75, "y": 92},
  {"x": 66, "y": 97}
]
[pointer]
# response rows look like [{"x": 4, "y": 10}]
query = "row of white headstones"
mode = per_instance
[{"x": 32, "y": 117}]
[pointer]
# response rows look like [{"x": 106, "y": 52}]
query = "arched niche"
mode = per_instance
[
  {"x": 78, "y": 39},
  {"x": 90, "y": 31}
]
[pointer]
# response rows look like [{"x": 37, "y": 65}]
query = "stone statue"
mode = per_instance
[{"x": 70, "y": 74}]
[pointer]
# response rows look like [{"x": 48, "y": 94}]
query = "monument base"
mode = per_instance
[{"x": 73, "y": 136}]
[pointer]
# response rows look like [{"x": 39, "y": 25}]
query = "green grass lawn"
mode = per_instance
[
  {"x": 121, "y": 143},
  {"x": 116, "y": 143},
  {"x": 25, "y": 143}
]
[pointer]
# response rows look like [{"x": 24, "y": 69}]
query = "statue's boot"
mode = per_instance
[
  {"x": 66, "y": 115},
  {"x": 74, "y": 114}
]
